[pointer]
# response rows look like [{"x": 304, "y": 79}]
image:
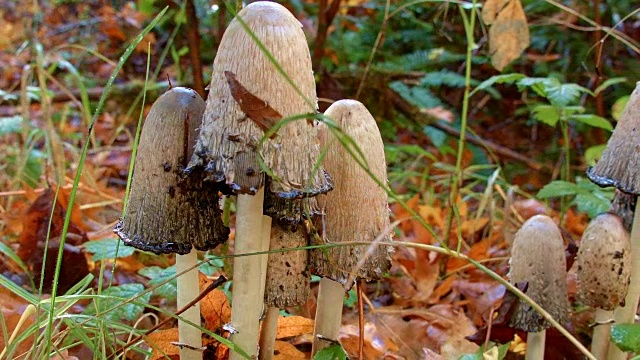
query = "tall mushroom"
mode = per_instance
[
  {"x": 603, "y": 269},
  {"x": 165, "y": 214},
  {"x": 619, "y": 166},
  {"x": 538, "y": 261},
  {"x": 249, "y": 96},
  {"x": 356, "y": 210}
]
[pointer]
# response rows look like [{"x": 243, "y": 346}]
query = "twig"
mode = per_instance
[
  {"x": 325, "y": 18},
  {"x": 217, "y": 282},
  {"x": 360, "y": 321},
  {"x": 193, "y": 39},
  {"x": 411, "y": 112}
]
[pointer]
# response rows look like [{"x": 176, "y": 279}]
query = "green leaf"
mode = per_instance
[
  {"x": 106, "y": 249},
  {"x": 417, "y": 96},
  {"x": 333, "y": 352},
  {"x": 116, "y": 295},
  {"x": 33, "y": 168},
  {"x": 538, "y": 85},
  {"x": 443, "y": 77},
  {"x": 498, "y": 79},
  {"x": 593, "y": 153},
  {"x": 213, "y": 265},
  {"x": 435, "y": 135},
  {"x": 158, "y": 276},
  {"x": 493, "y": 352},
  {"x": 558, "y": 188},
  {"x": 619, "y": 106},
  {"x": 609, "y": 82},
  {"x": 546, "y": 114},
  {"x": 351, "y": 299},
  {"x": 564, "y": 94},
  {"x": 10, "y": 125},
  {"x": 591, "y": 204},
  {"x": 593, "y": 120},
  {"x": 626, "y": 337}
]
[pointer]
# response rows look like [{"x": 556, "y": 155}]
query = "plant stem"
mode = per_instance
[
  {"x": 600, "y": 339},
  {"x": 268, "y": 335},
  {"x": 535, "y": 345},
  {"x": 627, "y": 313},
  {"x": 328, "y": 314},
  {"x": 248, "y": 293},
  {"x": 188, "y": 289}
]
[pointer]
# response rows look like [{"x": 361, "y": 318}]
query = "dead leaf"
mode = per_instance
[
  {"x": 214, "y": 307},
  {"x": 161, "y": 343},
  {"x": 291, "y": 326},
  {"x": 508, "y": 31},
  {"x": 349, "y": 338},
  {"x": 285, "y": 351},
  {"x": 263, "y": 115}
]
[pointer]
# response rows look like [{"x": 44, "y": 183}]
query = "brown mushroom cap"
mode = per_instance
[
  {"x": 538, "y": 259},
  {"x": 619, "y": 165},
  {"x": 165, "y": 214},
  {"x": 288, "y": 281},
  {"x": 247, "y": 95},
  {"x": 357, "y": 209},
  {"x": 604, "y": 263}
]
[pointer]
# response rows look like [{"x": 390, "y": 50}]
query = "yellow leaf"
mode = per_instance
[
  {"x": 293, "y": 326},
  {"x": 508, "y": 32}
]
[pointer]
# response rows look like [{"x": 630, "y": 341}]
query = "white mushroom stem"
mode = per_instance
[
  {"x": 328, "y": 314},
  {"x": 188, "y": 289},
  {"x": 268, "y": 333},
  {"x": 535, "y": 345},
  {"x": 248, "y": 292},
  {"x": 600, "y": 340},
  {"x": 270, "y": 323},
  {"x": 627, "y": 313}
]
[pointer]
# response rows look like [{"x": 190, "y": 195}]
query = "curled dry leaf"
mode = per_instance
[
  {"x": 508, "y": 31},
  {"x": 161, "y": 342},
  {"x": 256, "y": 109}
]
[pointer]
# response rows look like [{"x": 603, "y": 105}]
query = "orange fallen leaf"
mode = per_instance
[
  {"x": 161, "y": 343},
  {"x": 214, "y": 307},
  {"x": 293, "y": 326},
  {"x": 285, "y": 351}
]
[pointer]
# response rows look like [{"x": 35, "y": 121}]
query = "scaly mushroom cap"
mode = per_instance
[
  {"x": 165, "y": 214},
  {"x": 288, "y": 281},
  {"x": 604, "y": 263},
  {"x": 538, "y": 259},
  {"x": 357, "y": 209},
  {"x": 249, "y": 96},
  {"x": 619, "y": 165}
]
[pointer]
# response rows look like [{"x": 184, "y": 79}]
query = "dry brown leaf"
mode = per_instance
[
  {"x": 508, "y": 31},
  {"x": 285, "y": 351},
  {"x": 214, "y": 307},
  {"x": 349, "y": 338},
  {"x": 161, "y": 343},
  {"x": 293, "y": 326}
]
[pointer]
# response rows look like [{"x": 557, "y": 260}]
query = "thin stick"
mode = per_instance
[{"x": 360, "y": 321}]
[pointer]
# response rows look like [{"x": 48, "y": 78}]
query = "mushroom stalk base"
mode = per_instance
[
  {"x": 627, "y": 313},
  {"x": 188, "y": 289},
  {"x": 268, "y": 333},
  {"x": 328, "y": 314},
  {"x": 535, "y": 345},
  {"x": 600, "y": 339},
  {"x": 247, "y": 293}
]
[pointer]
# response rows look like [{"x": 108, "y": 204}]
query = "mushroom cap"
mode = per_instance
[
  {"x": 288, "y": 281},
  {"x": 357, "y": 209},
  {"x": 619, "y": 165},
  {"x": 245, "y": 78},
  {"x": 604, "y": 263},
  {"x": 165, "y": 214},
  {"x": 538, "y": 259}
]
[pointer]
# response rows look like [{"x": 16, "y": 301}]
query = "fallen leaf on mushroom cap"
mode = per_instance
[{"x": 291, "y": 326}]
